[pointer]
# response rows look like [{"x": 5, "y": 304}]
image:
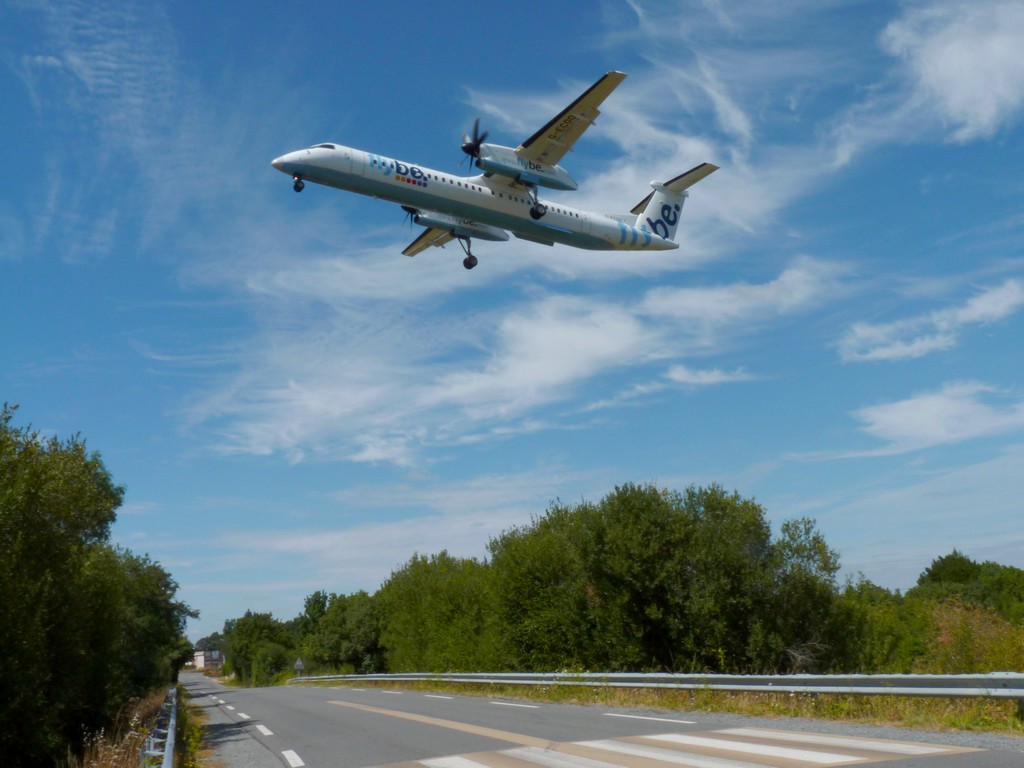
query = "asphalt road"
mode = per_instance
[{"x": 357, "y": 728}]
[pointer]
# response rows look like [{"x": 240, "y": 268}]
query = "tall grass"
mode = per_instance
[
  {"x": 121, "y": 746},
  {"x": 967, "y": 638}
]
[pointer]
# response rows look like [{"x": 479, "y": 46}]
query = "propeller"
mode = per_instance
[
  {"x": 471, "y": 146},
  {"x": 410, "y": 213}
]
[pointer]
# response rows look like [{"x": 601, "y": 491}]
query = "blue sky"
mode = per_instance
[{"x": 292, "y": 405}]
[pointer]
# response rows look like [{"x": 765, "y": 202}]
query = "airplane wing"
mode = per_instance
[
  {"x": 429, "y": 237},
  {"x": 550, "y": 143}
]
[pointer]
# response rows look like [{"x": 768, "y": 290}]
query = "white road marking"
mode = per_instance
[
  {"x": 244, "y": 716},
  {"x": 231, "y": 708},
  {"x": 436, "y": 696},
  {"x": 550, "y": 759},
  {"x": 895, "y": 747},
  {"x": 656, "y": 719},
  {"x": 452, "y": 762},
  {"x": 264, "y": 730},
  {"x": 293, "y": 760},
  {"x": 394, "y": 693},
  {"x": 669, "y": 755},
  {"x": 221, "y": 702},
  {"x": 510, "y": 704},
  {"x": 820, "y": 758}
]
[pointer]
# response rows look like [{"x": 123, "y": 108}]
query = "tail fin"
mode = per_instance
[{"x": 660, "y": 211}]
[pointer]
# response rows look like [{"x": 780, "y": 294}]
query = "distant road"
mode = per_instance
[{"x": 359, "y": 728}]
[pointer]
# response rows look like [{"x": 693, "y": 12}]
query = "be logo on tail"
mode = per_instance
[{"x": 666, "y": 225}]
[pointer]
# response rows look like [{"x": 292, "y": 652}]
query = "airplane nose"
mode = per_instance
[{"x": 278, "y": 162}]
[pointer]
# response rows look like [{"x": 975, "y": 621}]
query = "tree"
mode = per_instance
[
  {"x": 84, "y": 626},
  {"x": 803, "y": 608},
  {"x": 257, "y": 647},
  {"x": 954, "y": 568},
  {"x": 991, "y": 585},
  {"x": 543, "y": 592},
  {"x": 212, "y": 642},
  {"x": 651, "y": 579},
  {"x": 436, "y": 615},
  {"x": 348, "y": 635}
]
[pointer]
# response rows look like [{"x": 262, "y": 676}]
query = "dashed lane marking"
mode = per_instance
[
  {"x": 264, "y": 730},
  {"x": 511, "y": 704},
  {"x": 645, "y": 717},
  {"x": 293, "y": 759}
]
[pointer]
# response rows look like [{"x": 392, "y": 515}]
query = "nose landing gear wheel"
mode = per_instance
[
  {"x": 299, "y": 184},
  {"x": 469, "y": 262}
]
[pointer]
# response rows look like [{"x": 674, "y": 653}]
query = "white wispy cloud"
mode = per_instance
[
  {"x": 956, "y": 412},
  {"x": 804, "y": 284},
  {"x": 376, "y": 386},
  {"x": 963, "y": 61},
  {"x": 105, "y": 75},
  {"x": 542, "y": 352},
  {"x": 681, "y": 374},
  {"x": 935, "y": 331},
  {"x": 957, "y": 76}
]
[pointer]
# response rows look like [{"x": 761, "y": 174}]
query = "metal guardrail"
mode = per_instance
[
  {"x": 159, "y": 748},
  {"x": 995, "y": 685}
]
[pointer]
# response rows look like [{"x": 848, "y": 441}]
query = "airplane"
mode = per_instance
[{"x": 505, "y": 197}]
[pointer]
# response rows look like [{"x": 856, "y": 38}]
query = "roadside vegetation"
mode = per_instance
[
  {"x": 88, "y": 630},
  {"x": 649, "y": 579}
]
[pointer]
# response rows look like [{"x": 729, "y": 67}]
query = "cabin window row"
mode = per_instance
[{"x": 514, "y": 198}]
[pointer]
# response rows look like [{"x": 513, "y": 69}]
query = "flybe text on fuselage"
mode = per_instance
[{"x": 387, "y": 166}]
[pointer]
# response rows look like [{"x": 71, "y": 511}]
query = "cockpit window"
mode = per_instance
[{"x": 326, "y": 146}]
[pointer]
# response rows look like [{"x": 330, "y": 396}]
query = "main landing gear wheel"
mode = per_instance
[
  {"x": 537, "y": 210},
  {"x": 299, "y": 184},
  {"x": 470, "y": 261}
]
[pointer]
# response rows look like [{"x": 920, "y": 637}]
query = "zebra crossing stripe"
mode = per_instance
[
  {"x": 870, "y": 745},
  {"x": 764, "y": 750}
]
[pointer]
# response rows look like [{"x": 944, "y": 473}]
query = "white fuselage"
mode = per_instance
[{"x": 491, "y": 201}]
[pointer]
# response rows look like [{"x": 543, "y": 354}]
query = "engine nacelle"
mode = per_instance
[
  {"x": 504, "y": 161},
  {"x": 459, "y": 226}
]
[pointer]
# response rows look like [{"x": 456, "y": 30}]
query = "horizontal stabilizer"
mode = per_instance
[{"x": 679, "y": 184}]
